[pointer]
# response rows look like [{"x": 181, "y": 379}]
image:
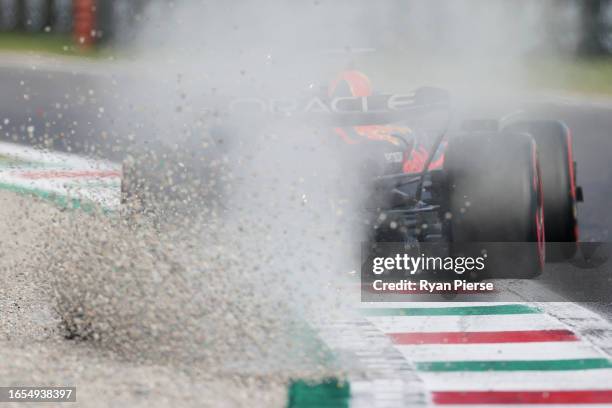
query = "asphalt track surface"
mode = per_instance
[
  {"x": 67, "y": 107},
  {"x": 62, "y": 104}
]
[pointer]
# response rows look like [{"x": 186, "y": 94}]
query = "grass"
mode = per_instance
[
  {"x": 46, "y": 43},
  {"x": 585, "y": 75},
  {"x": 529, "y": 73}
]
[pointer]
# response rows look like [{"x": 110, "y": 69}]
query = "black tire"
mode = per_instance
[
  {"x": 9, "y": 15},
  {"x": 35, "y": 15},
  {"x": 604, "y": 26},
  {"x": 558, "y": 178},
  {"x": 62, "y": 16},
  {"x": 495, "y": 202}
]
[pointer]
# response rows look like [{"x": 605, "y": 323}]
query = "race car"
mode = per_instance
[{"x": 504, "y": 188}]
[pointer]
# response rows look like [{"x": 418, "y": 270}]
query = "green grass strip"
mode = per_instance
[
  {"x": 586, "y": 75},
  {"x": 516, "y": 365},
  {"x": 454, "y": 311},
  {"x": 329, "y": 393},
  {"x": 47, "y": 43},
  {"x": 16, "y": 163},
  {"x": 57, "y": 199}
]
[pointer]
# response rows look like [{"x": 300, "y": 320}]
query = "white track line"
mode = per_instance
[
  {"x": 423, "y": 324},
  {"x": 499, "y": 352},
  {"x": 521, "y": 380}
]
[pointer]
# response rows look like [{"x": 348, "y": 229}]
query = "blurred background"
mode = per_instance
[
  {"x": 563, "y": 45},
  {"x": 85, "y": 22},
  {"x": 570, "y": 26}
]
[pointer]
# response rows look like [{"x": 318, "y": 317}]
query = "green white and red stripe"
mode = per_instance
[
  {"x": 498, "y": 354},
  {"x": 509, "y": 354},
  {"x": 68, "y": 180}
]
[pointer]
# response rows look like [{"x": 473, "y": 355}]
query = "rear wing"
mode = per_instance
[{"x": 340, "y": 111}]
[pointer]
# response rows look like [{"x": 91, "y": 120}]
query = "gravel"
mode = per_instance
[{"x": 141, "y": 315}]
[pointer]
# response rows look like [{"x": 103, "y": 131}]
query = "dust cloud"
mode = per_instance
[{"x": 248, "y": 232}]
